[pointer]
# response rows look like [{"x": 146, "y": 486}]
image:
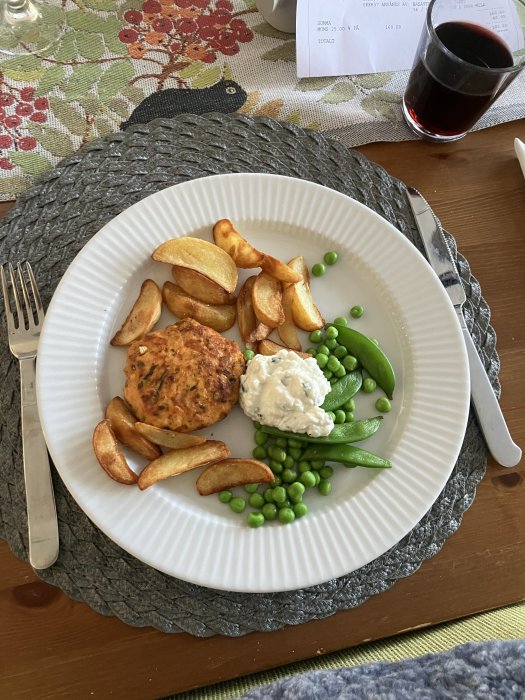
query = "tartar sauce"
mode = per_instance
[{"x": 286, "y": 391}]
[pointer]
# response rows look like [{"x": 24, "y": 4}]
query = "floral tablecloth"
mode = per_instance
[{"x": 127, "y": 61}]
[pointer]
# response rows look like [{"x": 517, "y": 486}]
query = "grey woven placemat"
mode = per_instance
[{"x": 50, "y": 224}]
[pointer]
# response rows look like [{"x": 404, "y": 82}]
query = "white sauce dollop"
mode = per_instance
[{"x": 286, "y": 391}]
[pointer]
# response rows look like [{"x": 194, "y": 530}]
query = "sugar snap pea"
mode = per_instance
[
  {"x": 370, "y": 356},
  {"x": 341, "y": 433},
  {"x": 348, "y": 455},
  {"x": 342, "y": 391}
]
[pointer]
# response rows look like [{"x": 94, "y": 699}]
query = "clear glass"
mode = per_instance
[
  {"x": 468, "y": 54},
  {"x": 23, "y": 29}
]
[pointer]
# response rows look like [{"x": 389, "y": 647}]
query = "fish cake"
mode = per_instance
[{"x": 183, "y": 377}]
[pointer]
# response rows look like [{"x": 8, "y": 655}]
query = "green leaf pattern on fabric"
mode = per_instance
[
  {"x": 341, "y": 92},
  {"x": 31, "y": 163},
  {"x": 284, "y": 52},
  {"x": 68, "y": 115},
  {"x": 54, "y": 141}
]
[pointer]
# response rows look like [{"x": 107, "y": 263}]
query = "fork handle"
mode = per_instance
[{"x": 40, "y": 500}]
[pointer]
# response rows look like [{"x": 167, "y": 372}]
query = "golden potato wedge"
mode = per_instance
[
  {"x": 229, "y": 473},
  {"x": 268, "y": 347},
  {"x": 109, "y": 454},
  {"x": 246, "y": 319},
  {"x": 281, "y": 271},
  {"x": 287, "y": 330},
  {"x": 197, "y": 285},
  {"x": 143, "y": 316},
  {"x": 261, "y": 332},
  {"x": 179, "y": 461},
  {"x": 123, "y": 424},
  {"x": 204, "y": 257},
  {"x": 306, "y": 315},
  {"x": 267, "y": 300},
  {"x": 220, "y": 318},
  {"x": 168, "y": 438},
  {"x": 243, "y": 253}
]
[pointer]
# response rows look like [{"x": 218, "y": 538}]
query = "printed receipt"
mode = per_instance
[{"x": 348, "y": 37}]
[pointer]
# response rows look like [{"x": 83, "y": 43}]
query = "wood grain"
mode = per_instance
[{"x": 52, "y": 647}]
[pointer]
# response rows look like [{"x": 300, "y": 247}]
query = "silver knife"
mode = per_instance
[{"x": 485, "y": 403}]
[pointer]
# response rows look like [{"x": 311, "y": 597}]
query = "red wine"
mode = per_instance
[{"x": 446, "y": 97}]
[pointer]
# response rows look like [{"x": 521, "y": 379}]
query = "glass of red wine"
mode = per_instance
[{"x": 468, "y": 54}]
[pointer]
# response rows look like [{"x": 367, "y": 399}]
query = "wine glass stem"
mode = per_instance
[{"x": 20, "y": 10}]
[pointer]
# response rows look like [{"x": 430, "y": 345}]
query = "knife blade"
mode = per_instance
[{"x": 484, "y": 401}]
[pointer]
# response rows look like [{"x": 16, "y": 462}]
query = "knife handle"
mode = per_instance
[{"x": 488, "y": 411}]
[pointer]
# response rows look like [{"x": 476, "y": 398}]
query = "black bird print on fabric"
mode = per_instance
[{"x": 225, "y": 96}]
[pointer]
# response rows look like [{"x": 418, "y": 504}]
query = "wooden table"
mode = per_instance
[{"x": 52, "y": 647}]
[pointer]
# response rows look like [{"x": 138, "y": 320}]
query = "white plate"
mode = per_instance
[{"x": 198, "y": 539}]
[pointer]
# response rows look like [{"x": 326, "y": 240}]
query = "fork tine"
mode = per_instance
[
  {"x": 29, "y": 315},
  {"x": 7, "y": 303},
  {"x": 36, "y": 295},
  {"x": 16, "y": 298}
]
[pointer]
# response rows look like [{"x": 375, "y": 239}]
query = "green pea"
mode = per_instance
[
  {"x": 281, "y": 442},
  {"x": 225, "y": 496},
  {"x": 312, "y": 352},
  {"x": 279, "y": 494},
  {"x": 331, "y": 333},
  {"x": 292, "y": 442},
  {"x": 286, "y": 515},
  {"x": 383, "y": 405},
  {"x": 349, "y": 417},
  {"x": 285, "y": 504},
  {"x": 349, "y": 405},
  {"x": 256, "y": 500},
  {"x": 340, "y": 372},
  {"x": 269, "y": 510},
  {"x": 251, "y": 488},
  {"x": 296, "y": 491},
  {"x": 330, "y": 257},
  {"x": 255, "y": 519},
  {"x": 278, "y": 480},
  {"x": 303, "y": 466},
  {"x": 317, "y": 478},
  {"x": 326, "y": 472},
  {"x": 248, "y": 354},
  {"x": 259, "y": 452},
  {"x": 339, "y": 416},
  {"x": 331, "y": 343},
  {"x": 341, "y": 320},
  {"x": 327, "y": 374},
  {"x": 350, "y": 363},
  {"x": 324, "y": 487},
  {"x": 300, "y": 509},
  {"x": 268, "y": 495},
  {"x": 307, "y": 479},
  {"x": 318, "y": 270},
  {"x": 289, "y": 462},
  {"x": 323, "y": 350},
  {"x": 295, "y": 452},
  {"x": 260, "y": 438},
  {"x": 321, "y": 359},
  {"x": 333, "y": 379},
  {"x": 289, "y": 476},
  {"x": 238, "y": 504},
  {"x": 276, "y": 453},
  {"x": 356, "y": 311},
  {"x": 333, "y": 363},
  {"x": 340, "y": 352},
  {"x": 317, "y": 463},
  {"x": 276, "y": 467},
  {"x": 369, "y": 385},
  {"x": 331, "y": 414},
  {"x": 316, "y": 336}
]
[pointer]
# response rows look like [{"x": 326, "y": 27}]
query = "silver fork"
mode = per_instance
[{"x": 25, "y": 315}]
